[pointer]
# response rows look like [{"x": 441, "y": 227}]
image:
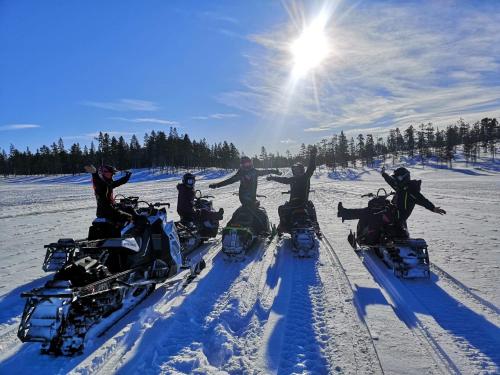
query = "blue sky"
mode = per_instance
[{"x": 222, "y": 70}]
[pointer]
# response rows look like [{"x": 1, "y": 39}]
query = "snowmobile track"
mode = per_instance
[
  {"x": 365, "y": 348},
  {"x": 405, "y": 313},
  {"x": 465, "y": 290},
  {"x": 417, "y": 305}
]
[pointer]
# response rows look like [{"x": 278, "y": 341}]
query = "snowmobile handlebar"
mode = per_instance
[
  {"x": 288, "y": 192},
  {"x": 385, "y": 195},
  {"x": 199, "y": 195}
]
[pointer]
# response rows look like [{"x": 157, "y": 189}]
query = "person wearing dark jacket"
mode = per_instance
[
  {"x": 300, "y": 184},
  {"x": 407, "y": 195},
  {"x": 185, "y": 202},
  {"x": 248, "y": 176},
  {"x": 103, "y": 183}
]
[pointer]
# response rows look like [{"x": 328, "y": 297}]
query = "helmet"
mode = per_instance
[
  {"x": 189, "y": 179},
  {"x": 106, "y": 172},
  {"x": 298, "y": 169},
  {"x": 246, "y": 162},
  {"x": 402, "y": 176}
]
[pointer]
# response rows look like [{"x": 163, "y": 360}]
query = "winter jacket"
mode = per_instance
[
  {"x": 406, "y": 197},
  {"x": 248, "y": 183},
  {"x": 104, "y": 195},
  {"x": 299, "y": 185},
  {"x": 185, "y": 201}
]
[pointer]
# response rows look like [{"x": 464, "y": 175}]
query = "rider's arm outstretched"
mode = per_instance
[
  {"x": 424, "y": 202},
  {"x": 122, "y": 180},
  {"x": 263, "y": 172},
  {"x": 229, "y": 181},
  {"x": 312, "y": 163}
]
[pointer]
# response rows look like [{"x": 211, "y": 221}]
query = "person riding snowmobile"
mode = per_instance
[
  {"x": 407, "y": 194},
  {"x": 103, "y": 183},
  {"x": 300, "y": 184},
  {"x": 186, "y": 206},
  {"x": 248, "y": 177}
]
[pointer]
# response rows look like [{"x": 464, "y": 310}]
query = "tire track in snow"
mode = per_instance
[
  {"x": 458, "y": 339},
  {"x": 363, "y": 353}
]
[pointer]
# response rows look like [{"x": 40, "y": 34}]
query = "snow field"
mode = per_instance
[{"x": 274, "y": 313}]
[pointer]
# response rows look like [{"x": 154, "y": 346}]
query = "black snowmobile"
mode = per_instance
[
  {"x": 380, "y": 232},
  {"x": 247, "y": 225},
  {"x": 193, "y": 233},
  {"x": 303, "y": 231},
  {"x": 103, "y": 279}
]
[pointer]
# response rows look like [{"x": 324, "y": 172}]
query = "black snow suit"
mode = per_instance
[
  {"x": 103, "y": 190},
  {"x": 248, "y": 183},
  {"x": 248, "y": 196},
  {"x": 185, "y": 206},
  {"x": 406, "y": 197},
  {"x": 299, "y": 193}
]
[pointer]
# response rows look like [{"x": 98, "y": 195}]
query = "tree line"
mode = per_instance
[
  {"x": 174, "y": 150},
  {"x": 424, "y": 141},
  {"x": 158, "y": 150}
]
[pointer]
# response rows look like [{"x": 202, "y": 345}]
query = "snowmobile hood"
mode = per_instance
[{"x": 127, "y": 243}]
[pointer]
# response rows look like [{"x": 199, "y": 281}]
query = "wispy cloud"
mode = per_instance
[
  {"x": 147, "y": 120},
  {"x": 216, "y": 116},
  {"x": 18, "y": 126},
  {"x": 388, "y": 68},
  {"x": 124, "y": 105},
  {"x": 218, "y": 16}
]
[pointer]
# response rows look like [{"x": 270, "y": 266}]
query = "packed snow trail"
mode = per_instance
[{"x": 273, "y": 312}]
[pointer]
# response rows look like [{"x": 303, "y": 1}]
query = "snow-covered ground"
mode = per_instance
[{"x": 274, "y": 313}]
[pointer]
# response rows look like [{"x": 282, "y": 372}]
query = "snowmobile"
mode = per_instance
[
  {"x": 103, "y": 280},
  {"x": 66, "y": 249},
  {"x": 390, "y": 241},
  {"x": 303, "y": 232},
  {"x": 193, "y": 234},
  {"x": 247, "y": 226}
]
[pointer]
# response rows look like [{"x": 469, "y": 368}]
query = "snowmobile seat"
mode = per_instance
[{"x": 102, "y": 228}]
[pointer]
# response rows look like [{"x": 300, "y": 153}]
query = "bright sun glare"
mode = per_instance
[{"x": 311, "y": 48}]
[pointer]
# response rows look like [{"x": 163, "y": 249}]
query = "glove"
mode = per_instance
[
  {"x": 212, "y": 186},
  {"x": 269, "y": 178},
  {"x": 278, "y": 172},
  {"x": 90, "y": 169},
  {"x": 439, "y": 210}
]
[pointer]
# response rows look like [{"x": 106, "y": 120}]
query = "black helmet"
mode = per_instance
[
  {"x": 189, "y": 179},
  {"x": 298, "y": 169},
  {"x": 402, "y": 176},
  {"x": 246, "y": 162},
  {"x": 105, "y": 171}
]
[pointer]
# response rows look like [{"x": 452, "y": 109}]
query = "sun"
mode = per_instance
[{"x": 311, "y": 48}]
